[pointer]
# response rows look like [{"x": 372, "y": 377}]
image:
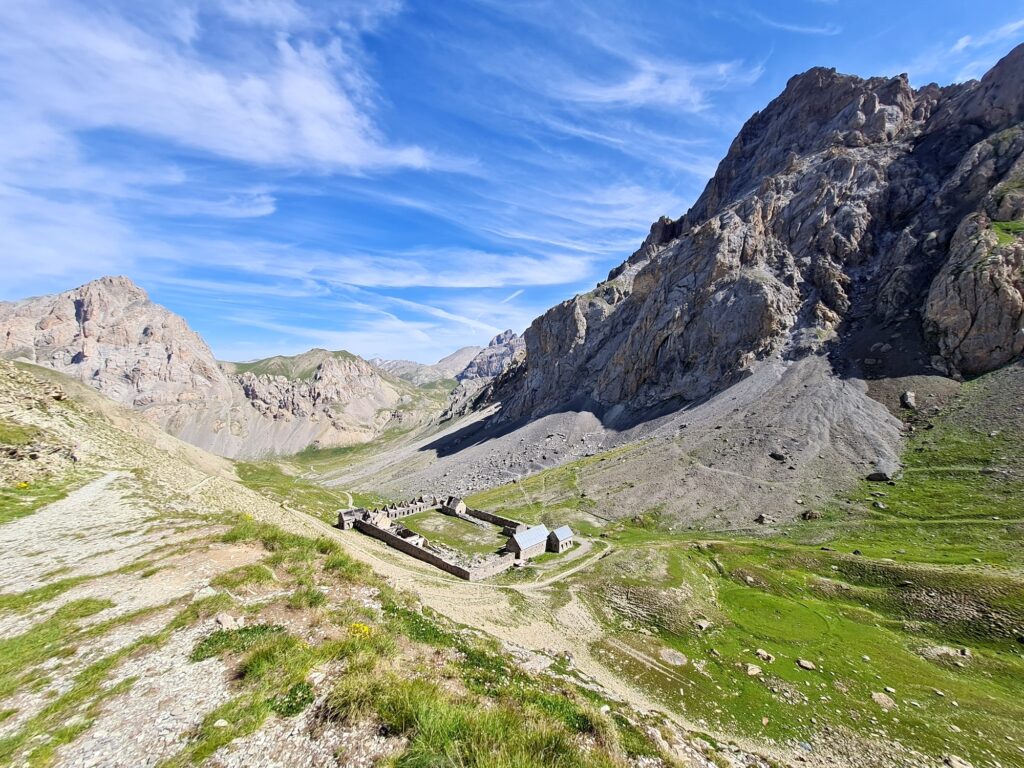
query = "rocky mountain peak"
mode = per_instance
[
  {"x": 108, "y": 334},
  {"x": 845, "y": 208},
  {"x": 494, "y": 359}
]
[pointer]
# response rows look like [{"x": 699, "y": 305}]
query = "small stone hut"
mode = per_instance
[
  {"x": 560, "y": 539},
  {"x": 453, "y": 505},
  {"x": 528, "y": 543},
  {"x": 347, "y": 518}
]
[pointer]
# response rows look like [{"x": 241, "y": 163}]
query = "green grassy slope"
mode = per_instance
[
  {"x": 292, "y": 366},
  {"x": 881, "y": 594}
]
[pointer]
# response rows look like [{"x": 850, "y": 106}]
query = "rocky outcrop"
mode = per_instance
[
  {"x": 495, "y": 358},
  {"x": 846, "y": 204},
  {"x": 108, "y": 334},
  {"x": 342, "y": 389},
  {"x": 477, "y": 380}
]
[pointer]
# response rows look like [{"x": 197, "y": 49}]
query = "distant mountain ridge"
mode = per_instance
[
  {"x": 108, "y": 334},
  {"x": 448, "y": 367}
]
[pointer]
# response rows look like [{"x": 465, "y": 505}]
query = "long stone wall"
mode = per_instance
[
  {"x": 420, "y": 553},
  {"x": 506, "y": 523},
  {"x": 493, "y": 568}
]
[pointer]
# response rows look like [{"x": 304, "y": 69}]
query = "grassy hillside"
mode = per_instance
[
  {"x": 293, "y": 367},
  {"x": 167, "y": 615},
  {"x": 908, "y": 598}
]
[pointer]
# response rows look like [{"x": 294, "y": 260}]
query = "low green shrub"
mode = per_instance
[
  {"x": 255, "y": 573},
  {"x": 233, "y": 640},
  {"x": 294, "y": 700}
]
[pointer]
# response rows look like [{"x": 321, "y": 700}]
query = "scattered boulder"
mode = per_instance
[
  {"x": 937, "y": 652},
  {"x": 229, "y": 622},
  {"x": 673, "y": 657},
  {"x": 763, "y": 655},
  {"x": 884, "y": 701},
  {"x": 753, "y": 670},
  {"x": 763, "y": 519},
  {"x": 204, "y": 593},
  {"x": 811, "y": 514},
  {"x": 777, "y": 456},
  {"x": 806, "y": 664},
  {"x": 909, "y": 400},
  {"x": 703, "y": 625},
  {"x": 956, "y": 762}
]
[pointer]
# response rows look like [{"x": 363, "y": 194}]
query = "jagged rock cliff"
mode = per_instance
[
  {"x": 846, "y": 207},
  {"x": 501, "y": 353},
  {"x": 110, "y": 335},
  {"x": 495, "y": 358}
]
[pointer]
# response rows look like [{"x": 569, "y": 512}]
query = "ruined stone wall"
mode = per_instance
[
  {"x": 507, "y": 524},
  {"x": 493, "y": 568},
  {"x": 469, "y": 574}
]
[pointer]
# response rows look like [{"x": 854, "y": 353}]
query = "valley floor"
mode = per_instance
[{"x": 886, "y": 632}]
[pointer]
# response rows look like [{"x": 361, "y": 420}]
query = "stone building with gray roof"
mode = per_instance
[
  {"x": 560, "y": 539},
  {"x": 528, "y": 543}
]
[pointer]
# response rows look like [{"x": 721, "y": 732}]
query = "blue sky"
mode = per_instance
[{"x": 398, "y": 178}]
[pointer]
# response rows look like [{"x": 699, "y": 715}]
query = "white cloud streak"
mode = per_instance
[
  {"x": 301, "y": 104},
  {"x": 827, "y": 30},
  {"x": 997, "y": 35},
  {"x": 659, "y": 84}
]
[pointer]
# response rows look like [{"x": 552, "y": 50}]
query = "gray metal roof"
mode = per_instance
[
  {"x": 562, "y": 533},
  {"x": 531, "y": 536}
]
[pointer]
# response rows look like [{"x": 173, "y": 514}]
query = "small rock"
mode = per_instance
[
  {"x": 890, "y": 689},
  {"x": 703, "y": 625},
  {"x": 753, "y": 670},
  {"x": 956, "y": 762},
  {"x": 763, "y": 655},
  {"x": 222, "y": 723},
  {"x": 806, "y": 664},
  {"x": 908, "y": 400},
  {"x": 777, "y": 456},
  {"x": 227, "y": 621},
  {"x": 673, "y": 657},
  {"x": 204, "y": 593},
  {"x": 884, "y": 701}
]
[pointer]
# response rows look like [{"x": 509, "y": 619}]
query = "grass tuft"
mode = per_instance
[{"x": 233, "y": 640}]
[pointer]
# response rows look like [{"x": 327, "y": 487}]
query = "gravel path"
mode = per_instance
[{"x": 92, "y": 530}]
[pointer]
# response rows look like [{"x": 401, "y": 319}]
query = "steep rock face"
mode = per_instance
[
  {"x": 344, "y": 390},
  {"x": 504, "y": 351},
  {"x": 108, "y": 334},
  {"x": 495, "y": 358},
  {"x": 111, "y": 335},
  {"x": 845, "y": 202}
]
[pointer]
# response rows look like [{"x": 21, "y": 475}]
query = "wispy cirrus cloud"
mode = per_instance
[
  {"x": 659, "y": 84},
  {"x": 1002, "y": 33},
  {"x": 828, "y": 29},
  {"x": 295, "y": 103}
]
